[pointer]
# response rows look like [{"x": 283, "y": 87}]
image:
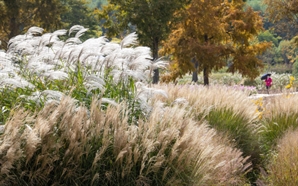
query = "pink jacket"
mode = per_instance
[{"x": 268, "y": 81}]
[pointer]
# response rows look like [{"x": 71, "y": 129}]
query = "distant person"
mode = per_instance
[{"x": 268, "y": 82}]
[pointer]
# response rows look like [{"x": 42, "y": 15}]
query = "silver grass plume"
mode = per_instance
[
  {"x": 131, "y": 39},
  {"x": 81, "y": 32},
  {"x": 93, "y": 82},
  {"x": 159, "y": 63},
  {"x": 35, "y": 31},
  {"x": 56, "y": 75},
  {"x": 75, "y": 28},
  {"x": 73, "y": 40},
  {"x": 60, "y": 32},
  {"x": 52, "y": 95},
  {"x": 15, "y": 83}
]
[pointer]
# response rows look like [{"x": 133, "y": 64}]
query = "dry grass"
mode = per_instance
[
  {"x": 201, "y": 99},
  {"x": 282, "y": 169},
  {"x": 283, "y": 104},
  {"x": 280, "y": 115},
  {"x": 66, "y": 144},
  {"x": 229, "y": 111}
]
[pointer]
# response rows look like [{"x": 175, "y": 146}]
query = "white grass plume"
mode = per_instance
[
  {"x": 35, "y": 30},
  {"x": 81, "y": 32},
  {"x": 75, "y": 28},
  {"x": 52, "y": 94},
  {"x": 131, "y": 39},
  {"x": 159, "y": 63},
  {"x": 56, "y": 75},
  {"x": 15, "y": 83},
  {"x": 93, "y": 82}
]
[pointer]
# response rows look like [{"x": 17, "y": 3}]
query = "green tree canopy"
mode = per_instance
[
  {"x": 216, "y": 34},
  {"x": 78, "y": 13},
  {"x": 152, "y": 19},
  {"x": 268, "y": 36}
]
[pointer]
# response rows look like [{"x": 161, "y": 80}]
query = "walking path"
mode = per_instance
[{"x": 256, "y": 96}]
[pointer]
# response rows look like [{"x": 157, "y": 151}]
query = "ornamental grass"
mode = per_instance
[
  {"x": 282, "y": 166},
  {"x": 69, "y": 144},
  {"x": 227, "y": 110},
  {"x": 280, "y": 114}
]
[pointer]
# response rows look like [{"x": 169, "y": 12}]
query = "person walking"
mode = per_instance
[{"x": 268, "y": 82}]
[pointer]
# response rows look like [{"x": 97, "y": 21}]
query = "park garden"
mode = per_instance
[
  {"x": 87, "y": 113},
  {"x": 148, "y": 92}
]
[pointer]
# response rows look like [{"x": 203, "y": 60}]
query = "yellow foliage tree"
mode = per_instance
[{"x": 215, "y": 34}]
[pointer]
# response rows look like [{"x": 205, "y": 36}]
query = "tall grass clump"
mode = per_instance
[
  {"x": 282, "y": 167},
  {"x": 280, "y": 115},
  {"x": 66, "y": 144},
  {"x": 229, "y": 111},
  {"x": 45, "y": 66},
  {"x": 85, "y": 113}
]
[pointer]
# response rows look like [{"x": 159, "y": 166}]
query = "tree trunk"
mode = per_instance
[
  {"x": 13, "y": 12},
  {"x": 155, "y": 76},
  {"x": 205, "y": 69},
  {"x": 155, "y": 57},
  {"x": 13, "y": 27},
  {"x": 194, "y": 76},
  {"x": 195, "y": 72},
  {"x": 206, "y": 76}
]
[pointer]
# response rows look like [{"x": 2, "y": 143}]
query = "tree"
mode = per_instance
[
  {"x": 152, "y": 19},
  {"x": 217, "y": 33},
  {"x": 268, "y": 36},
  {"x": 279, "y": 9},
  {"x": 78, "y": 13},
  {"x": 97, "y": 3},
  {"x": 18, "y": 15},
  {"x": 284, "y": 15}
]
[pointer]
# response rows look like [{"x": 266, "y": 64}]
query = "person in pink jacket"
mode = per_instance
[{"x": 268, "y": 82}]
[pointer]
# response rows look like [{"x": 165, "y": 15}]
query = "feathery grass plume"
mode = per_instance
[
  {"x": 281, "y": 114},
  {"x": 52, "y": 95},
  {"x": 55, "y": 75},
  {"x": 35, "y": 31},
  {"x": 81, "y": 32},
  {"x": 73, "y": 40},
  {"x": 130, "y": 39},
  {"x": 93, "y": 82},
  {"x": 159, "y": 63},
  {"x": 15, "y": 83},
  {"x": 282, "y": 167},
  {"x": 75, "y": 28},
  {"x": 68, "y": 145}
]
